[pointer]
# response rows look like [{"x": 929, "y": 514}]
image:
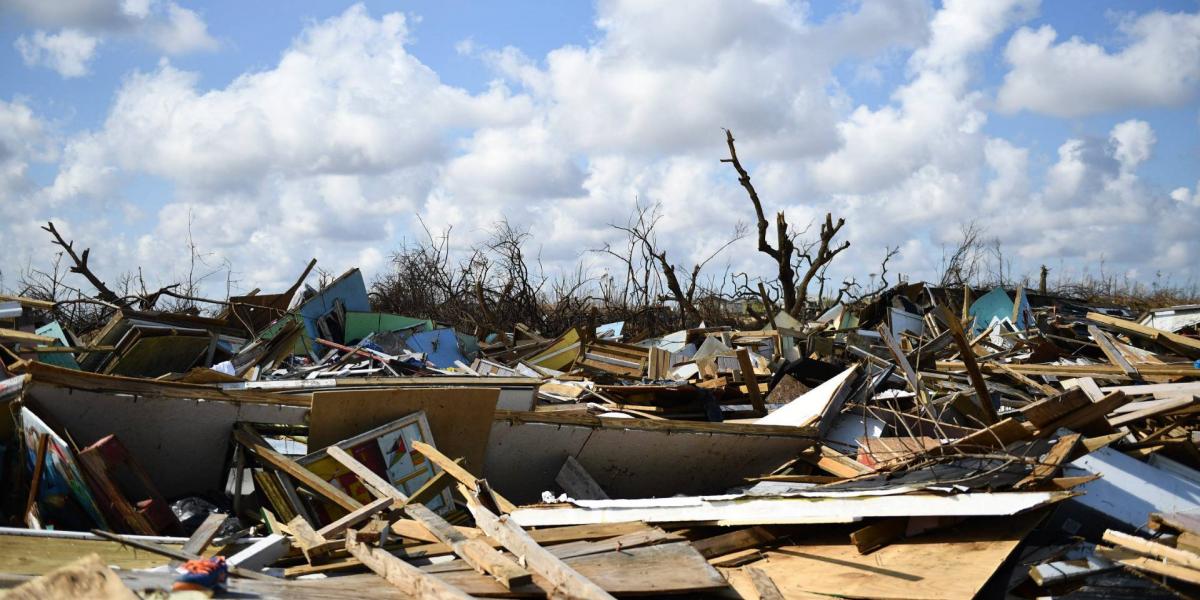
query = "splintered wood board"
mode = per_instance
[
  {"x": 460, "y": 419},
  {"x": 946, "y": 565},
  {"x": 661, "y": 569}
]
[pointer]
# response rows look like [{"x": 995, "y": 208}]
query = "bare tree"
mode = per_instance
[{"x": 812, "y": 258}]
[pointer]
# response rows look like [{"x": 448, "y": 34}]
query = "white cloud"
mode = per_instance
[
  {"x": 935, "y": 119},
  {"x": 85, "y": 24},
  {"x": 1159, "y": 66},
  {"x": 68, "y": 52},
  {"x": 333, "y": 151},
  {"x": 181, "y": 31}
]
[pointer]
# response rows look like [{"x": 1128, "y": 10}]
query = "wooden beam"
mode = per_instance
[
  {"x": 459, "y": 473},
  {"x": 968, "y": 359},
  {"x": 204, "y": 534},
  {"x": 354, "y": 518},
  {"x": 1110, "y": 350},
  {"x": 909, "y": 374},
  {"x": 1138, "y": 329},
  {"x": 1149, "y": 548},
  {"x": 1041, "y": 387},
  {"x": 1051, "y": 464},
  {"x": 766, "y": 588},
  {"x": 34, "y": 521},
  {"x": 24, "y": 337},
  {"x": 751, "y": 380},
  {"x": 476, "y": 553},
  {"x": 566, "y": 581},
  {"x": 409, "y": 579},
  {"x": 254, "y": 442},
  {"x": 311, "y": 543},
  {"x": 479, "y": 555}
]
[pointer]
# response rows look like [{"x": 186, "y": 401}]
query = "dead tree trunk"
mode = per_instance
[
  {"x": 794, "y": 296},
  {"x": 81, "y": 267},
  {"x": 784, "y": 249}
]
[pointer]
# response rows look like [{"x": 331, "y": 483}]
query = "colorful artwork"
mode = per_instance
[
  {"x": 387, "y": 451},
  {"x": 62, "y": 492}
]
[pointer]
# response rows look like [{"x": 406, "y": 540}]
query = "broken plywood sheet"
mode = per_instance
[
  {"x": 947, "y": 565},
  {"x": 459, "y": 418},
  {"x": 817, "y": 406},
  {"x": 632, "y": 458}
]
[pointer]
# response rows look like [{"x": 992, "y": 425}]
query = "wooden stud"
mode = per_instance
[
  {"x": 33, "y": 521},
  {"x": 409, "y": 579},
  {"x": 459, "y": 473},
  {"x": 566, "y": 581},
  {"x": 253, "y": 442},
  {"x": 972, "y": 368},
  {"x": 479, "y": 555},
  {"x": 751, "y": 380}
]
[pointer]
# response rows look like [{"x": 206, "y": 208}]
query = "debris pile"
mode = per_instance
[{"x": 927, "y": 442}]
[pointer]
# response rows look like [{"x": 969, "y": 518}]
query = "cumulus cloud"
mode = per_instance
[
  {"x": 337, "y": 148},
  {"x": 84, "y": 24},
  {"x": 67, "y": 52},
  {"x": 1158, "y": 66}
]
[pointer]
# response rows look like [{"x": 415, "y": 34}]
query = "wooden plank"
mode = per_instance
[
  {"x": 28, "y": 302},
  {"x": 476, "y": 553},
  {"x": 1111, "y": 352},
  {"x": 718, "y": 545},
  {"x": 577, "y": 482},
  {"x": 898, "y": 355},
  {"x": 1041, "y": 387},
  {"x": 1048, "y": 410},
  {"x": 1051, "y": 464},
  {"x": 969, "y": 364},
  {"x": 31, "y": 516},
  {"x": 1099, "y": 370},
  {"x": 253, "y": 442},
  {"x": 565, "y": 580},
  {"x": 354, "y": 518},
  {"x": 1160, "y": 568},
  {"x": 766, "y": 588},
  {"x": 653, "y": 571},
  {"x": 751, "y": 380},
  {"x": 23, "y": 337},
  {"x": 409, "y": 579},
  {"x": 1157, "y": 409},
  {"x": 998, "y": 435},
  {"x": 203, "y": 535},
  {"x": 1158, "y": 335},
  {"x": 458, "y": 472},
  {"x": 311, "y": 543},
  {"x": 1155, "y": 549},
  {"x": 877, "y": 535},
  {"x": 1089, "y": 414},
  {"x": 950, "y": 564}
]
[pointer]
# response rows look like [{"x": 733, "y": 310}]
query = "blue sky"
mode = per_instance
[{"x": 279, "y": 131}]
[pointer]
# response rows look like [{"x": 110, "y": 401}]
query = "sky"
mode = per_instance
[{"x": 265, "y": 134}]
